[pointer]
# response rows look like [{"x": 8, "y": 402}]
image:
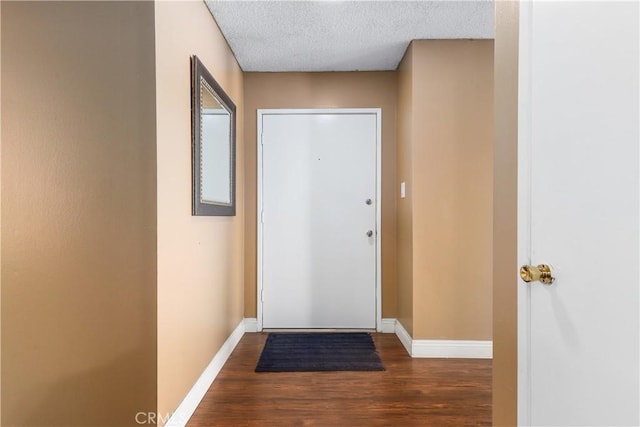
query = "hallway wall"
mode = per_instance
[
  {"x": 200, "y": 259},
  {"x": 404, "y": 206},
  {"x": 447, "y": 158},
  {"x": 505, "y": 217},
  {"x": 78, "y": 213}
]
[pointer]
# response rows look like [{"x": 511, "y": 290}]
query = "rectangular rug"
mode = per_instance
[{"x": 306, "y": 352}]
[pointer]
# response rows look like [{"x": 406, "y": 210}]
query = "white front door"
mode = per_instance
[
  {"x": 578, "y": 212},
  {"x": 318, "y": 225}
]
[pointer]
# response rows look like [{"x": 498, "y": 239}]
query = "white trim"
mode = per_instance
[
  {"x": 259, "y": 216},
  {"x": 388, "y": 326},
  {"x": 378, "y": 113},
  {"x": 187, "y": 407},
  {"x": 404, "y": 337},
  {"x": 441, "y": 348},
  {"x": 452, "y": 348},
  {"x": 250, "y": 324}
]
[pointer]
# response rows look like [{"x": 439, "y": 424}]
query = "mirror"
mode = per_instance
[{"x": 213, "y": 145}]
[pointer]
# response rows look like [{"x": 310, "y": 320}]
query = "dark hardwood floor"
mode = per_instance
[{"x": 411, "y": 392}]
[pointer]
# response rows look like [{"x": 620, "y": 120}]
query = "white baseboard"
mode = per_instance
[
  {"x": 452, "y": 348},
  {"x": 250, "y": 324},
  {"x": 463, "y": 349},
  {"x": 388, "y": 326},
  {"x": 404, "y": 337},
  {"x": 189, "y": 404}
]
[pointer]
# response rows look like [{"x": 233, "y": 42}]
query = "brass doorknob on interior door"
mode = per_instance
[{"x": 540, "y": 273}]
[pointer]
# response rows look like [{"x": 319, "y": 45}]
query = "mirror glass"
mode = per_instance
[
  {"x": 215, "y": 150},
  {"x": 213, "y": 145}
]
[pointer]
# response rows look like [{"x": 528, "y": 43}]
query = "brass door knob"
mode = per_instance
[{"x": 541, "y": 273}]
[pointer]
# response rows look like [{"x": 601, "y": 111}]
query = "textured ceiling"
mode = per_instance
[{"x": 335, "y": 35}]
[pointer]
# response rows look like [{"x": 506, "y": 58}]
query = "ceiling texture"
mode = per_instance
[{"x": 333, "y": 35}]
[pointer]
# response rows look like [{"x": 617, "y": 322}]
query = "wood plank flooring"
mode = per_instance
[{"x": 411, "y": 392}]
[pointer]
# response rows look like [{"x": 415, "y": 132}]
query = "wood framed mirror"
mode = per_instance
[{"x": 213, "y": 155}]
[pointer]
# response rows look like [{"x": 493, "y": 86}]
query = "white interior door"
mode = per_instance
[
  {"x": 318, "y": 225},
  {"x": 578, "y": 212}
]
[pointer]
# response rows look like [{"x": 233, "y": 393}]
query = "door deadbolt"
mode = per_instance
[
  {"x": 540, "y": 273},
  {"x": 369, "y": 233},
  {"x": 369, "y": 201}
]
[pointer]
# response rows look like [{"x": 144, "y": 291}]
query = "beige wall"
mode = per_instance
[
  {"x": 505, "y": 316},
  {"x": 78, "y": 213},
  {"x": 450, "y": 188},
  {"x": 324, "y": 90},
  {"x": 200, "y": 259},
  {"x": 404, "y": 225}
]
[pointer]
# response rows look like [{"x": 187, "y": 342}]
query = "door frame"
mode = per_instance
[{"x": 311, "y": 111}]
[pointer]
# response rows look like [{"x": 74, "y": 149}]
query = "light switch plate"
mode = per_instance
[{"x": 403, "y": 190}]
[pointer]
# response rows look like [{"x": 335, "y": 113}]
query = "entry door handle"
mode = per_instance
[
  {"x": 540, "y": 273},
  {"x": 369, "y": 233}
]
